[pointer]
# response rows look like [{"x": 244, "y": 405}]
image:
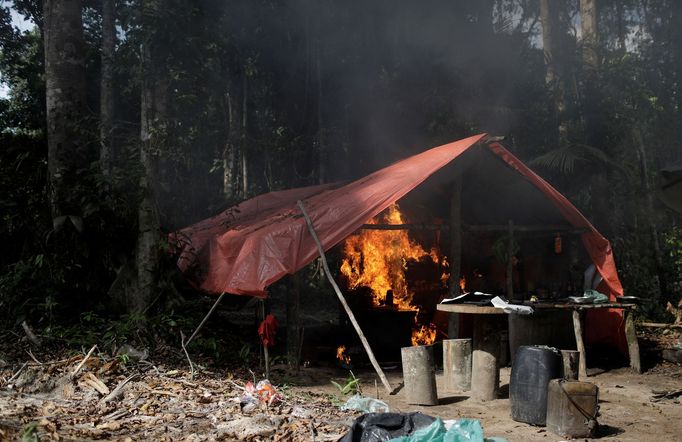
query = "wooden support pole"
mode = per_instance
[
  {"x": 342, "y": 299},
  {"x": 293, "y": 321},
  {"x": 578, "y": 330},
  {"x": 631, "y": 337},
  {"x": 510, "y": 262},
  {"x": 455, "y": 252},
  {"x": 203, "y": 321},
  {"x": 571, "y": 361}
]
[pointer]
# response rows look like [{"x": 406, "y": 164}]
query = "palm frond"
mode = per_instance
[{"x": 562, "y": 159}]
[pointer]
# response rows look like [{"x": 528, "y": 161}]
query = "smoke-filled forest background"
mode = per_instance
[{"x": 124, "y": 120}]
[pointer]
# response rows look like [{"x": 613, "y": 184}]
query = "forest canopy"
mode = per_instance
[{"x": 124, "y": 120}]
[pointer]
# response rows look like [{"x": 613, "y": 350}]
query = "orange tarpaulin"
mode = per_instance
[{"x": 249, "y": 246}]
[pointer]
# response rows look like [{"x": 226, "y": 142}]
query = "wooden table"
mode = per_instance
[
  {"x": 486, "y": 344},
  {"x": 485, "y": 370},
  {"x": 578, "y": 318}
]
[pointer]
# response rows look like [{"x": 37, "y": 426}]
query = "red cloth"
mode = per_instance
[
  {"x": 267, "y": 330},
  {"x": 251, "y": 245},
  {"x": 601, "y": 325}
]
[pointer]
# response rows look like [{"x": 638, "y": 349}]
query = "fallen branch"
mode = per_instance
[
  {"x": 114, "y": 394},
  {"x": 16, "y": 375},
  {"x": 34, "y": 358},
  {"x": 660, "y": 395},
  {"x": 659, "y": 325},
  {"x": 75, "y": 372},
  {"x": 336, "y": 288},
  {"x": 31, "y": 336}
]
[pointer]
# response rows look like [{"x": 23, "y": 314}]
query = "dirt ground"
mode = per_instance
[
  {"x": 66, "y": 399},
  {"x": 626, "y": 410}
]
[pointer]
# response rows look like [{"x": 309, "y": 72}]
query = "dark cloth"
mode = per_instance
[{"x": 380, "y": 427}]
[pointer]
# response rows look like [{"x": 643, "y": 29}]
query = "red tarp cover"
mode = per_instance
[{"x": 251, "y": 245}]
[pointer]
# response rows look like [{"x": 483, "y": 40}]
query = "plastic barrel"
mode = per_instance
[{"x": 533, "y": 368}]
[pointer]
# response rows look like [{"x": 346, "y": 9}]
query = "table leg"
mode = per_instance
[
  {"x": 631, "y": 337},
  {"x": 485, "y": 371},
  {"x": 577, "y": 329}
]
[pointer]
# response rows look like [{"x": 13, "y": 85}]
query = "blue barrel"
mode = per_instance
[{"x": 534, "y": 366}]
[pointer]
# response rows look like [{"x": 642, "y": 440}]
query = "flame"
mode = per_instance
[
  {"x": 378, "y": 259},
  {"x": 462, "y": 283},
  {"x": 424, "y": 335},
  {"x": 342, "y": 356}
]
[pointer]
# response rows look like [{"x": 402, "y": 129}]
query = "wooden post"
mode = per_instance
[
  {"x": 342, "y": 299},
  {"x": 419, "y": 375},
  {"x": 457, "y": 364},
  {"x": 631, "y": 337},
  {"x": 510, "y": 262},
  {"x": 577, "y": 329},
  {"x": 455, "y": 252},
  {"x": 571, "y": 360},
  {"x": 293, "y": 321}
]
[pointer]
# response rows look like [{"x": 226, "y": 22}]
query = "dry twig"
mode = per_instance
[
  {"x": 118, "y": 389},
  {"x": 75, "y": 372},
  {"x": 16, "y": 375}
]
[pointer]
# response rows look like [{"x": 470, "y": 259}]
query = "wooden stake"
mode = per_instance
[
  {"x": 510, "y": 263},
  {"x": 203, "y": 321},
  {"x": 342, "y": 299},
  {"x": 455, "y": 252},
  {"x": 577, "y": 329},
  {"x": 633, "y": 345},
  {"x": 571, "y": 361}
]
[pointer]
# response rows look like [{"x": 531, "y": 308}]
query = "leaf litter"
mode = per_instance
[{"x": 105, "y": 399}]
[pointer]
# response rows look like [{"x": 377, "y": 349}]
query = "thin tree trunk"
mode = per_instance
[
  {"x": 651, "y": 219},
  {"x": 65, "y": 100},
  {"x": 589, "y": 21},
  {"x": 106, "y": 153},
  {"x": 245, "y": 159},
  {"x": 621, "y": 27},
  {"x": 293, "y": 307},
  {"x": 152, "y": 126},
  {"x": 553, "y": 75},
  {"x": 231, "y": 145},
  {"x": 322, "y": 170}
]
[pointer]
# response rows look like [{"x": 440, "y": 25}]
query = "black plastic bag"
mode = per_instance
[{"x": 380, "y": 427}]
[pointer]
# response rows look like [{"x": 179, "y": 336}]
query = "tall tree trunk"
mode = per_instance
[
  {"x": 659, "y": 275},
  {"x": 152, "y": 129},
  {"x": 621, "y": 26},
  {"x": 322, "y": 147},
  {"x": 106, "y": 152},
  {"x": 65, "y": 100},
  {"x": 553, "y": 75},
  {"x": 243, "y": 141},
  {"x": 589, "y": 25},
  {"x": 229, "y": 156}
]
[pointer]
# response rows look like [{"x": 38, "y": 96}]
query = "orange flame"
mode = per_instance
[
  {"x": 342, "y": 356},
  {"x": 378, "y": 259},
  {"x": 424, "y": 335},
  {"x": 462, "y": 283}
]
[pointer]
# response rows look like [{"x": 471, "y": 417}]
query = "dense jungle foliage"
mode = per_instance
[{"x": 124, "y": 120}]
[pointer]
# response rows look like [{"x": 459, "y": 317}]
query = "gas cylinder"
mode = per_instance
[{"x": 572, "y": 408}]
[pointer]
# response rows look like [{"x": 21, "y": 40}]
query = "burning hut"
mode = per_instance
[{"x": 490, "y": 224}]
